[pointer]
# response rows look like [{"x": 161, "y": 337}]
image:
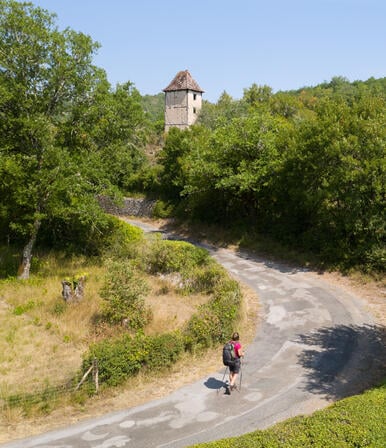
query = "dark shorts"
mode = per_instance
[{"x": 235, "y": 366}]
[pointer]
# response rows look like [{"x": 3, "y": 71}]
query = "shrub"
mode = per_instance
[
  {"x": 124, "y": 292},
  {"x": 118, "y": 358},
  {"x": 203, "y": 329},
  {"x": 357, "y": 421},
  {"x": 204, "y": 278},
  {"x": 122, "y": 239},
  {"x": 125, "y": 356},
  {"x": 163, "y": 209},
  {"x": 175, "y": 256},
  {"x": 214, "y": 321},
  {"x": 164, "y": 350}
]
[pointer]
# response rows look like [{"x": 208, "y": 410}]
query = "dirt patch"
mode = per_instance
[{"x": 170, "y": 310}]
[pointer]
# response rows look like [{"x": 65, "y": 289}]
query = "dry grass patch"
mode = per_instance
[
  {"x": 42, "y": 339},
  {"x": 170, "y": 308}
]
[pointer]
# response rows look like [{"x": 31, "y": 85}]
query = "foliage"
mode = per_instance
[
  {"x": 226, "y": 108},
  {"x": 124, "y": 356},
  {"x": 215, "y": 320},
  {"x": 305, "y": 168},
  {"x": 121, "y": 240},
  {"x": 64, "y": 134},
  {"x": 175, "y": 256},
  {"x": 154, "y": 106},
  {"x": 352, "y": 422},
  {"x": 124, "y": 291},
  {"x": 164, "y": 350},
  {"x": 118, "y": 358},
  {"x": 163, "y": 209}
]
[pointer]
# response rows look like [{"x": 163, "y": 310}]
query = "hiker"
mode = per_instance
[{"x": 234, "y": 367}]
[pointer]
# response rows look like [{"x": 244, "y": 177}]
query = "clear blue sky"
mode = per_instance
[{"x": 229, "y": 45}]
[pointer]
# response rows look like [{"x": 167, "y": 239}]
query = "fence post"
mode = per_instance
[
  {"x": 83, "y": 378},
  {"x": 95, "y": 374}
]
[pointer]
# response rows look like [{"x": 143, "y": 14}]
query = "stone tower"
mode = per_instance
[{"x": 183, "y": 100}]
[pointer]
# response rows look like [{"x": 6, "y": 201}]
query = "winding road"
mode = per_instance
[{"x": 315, "y": 344}]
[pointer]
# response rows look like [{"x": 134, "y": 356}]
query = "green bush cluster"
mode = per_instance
[
  {"x": 118, "y": 358},
  {"x": 163, "y": 209},
  {"x": 125, "y": 356},
  {"x": 205, "y": 279},
  {"x": 124, "y": 291},
  {"x": 122, "y": 239},
  {"x": 164, "y": 350},
  {"x": 214, "y": 321},
  {"x": 175, "y": 256}
]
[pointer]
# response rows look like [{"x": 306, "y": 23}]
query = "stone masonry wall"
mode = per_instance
[{"x": 130, "y": 206}]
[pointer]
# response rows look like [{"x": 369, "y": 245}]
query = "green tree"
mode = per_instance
[
  {"x": 226, "y": 108},
  {"x": 64, "y": 136},
  {"x": 113, "y": 129},
  {"x": 256, "y": 95}
]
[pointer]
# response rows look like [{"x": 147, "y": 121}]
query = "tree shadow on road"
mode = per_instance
[{"x": 344, "y": 360}]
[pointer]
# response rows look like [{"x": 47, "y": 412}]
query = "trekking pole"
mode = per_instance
[
  {"x": 241, "y": 375},
  {"x": 225, "y": 372}
]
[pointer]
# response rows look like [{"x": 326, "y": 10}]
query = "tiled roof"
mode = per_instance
[{"x": 183, "y": 81}]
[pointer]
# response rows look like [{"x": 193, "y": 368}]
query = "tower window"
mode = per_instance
[
  {"x": 194, "y": 96},
  {"x": 194, "y": 110}
]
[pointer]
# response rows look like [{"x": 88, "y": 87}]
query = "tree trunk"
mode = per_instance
[
  {"x": 79, "y": 288},
  {"x": 27, "y": 252}
]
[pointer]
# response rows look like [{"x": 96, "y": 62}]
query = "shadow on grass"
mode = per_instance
[{"x": 344, "y": 360}]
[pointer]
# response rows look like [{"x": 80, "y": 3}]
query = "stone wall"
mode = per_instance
[{"x": 130, "y": 206}]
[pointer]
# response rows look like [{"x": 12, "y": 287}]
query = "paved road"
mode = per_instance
[{"x": 315, "y": 344}]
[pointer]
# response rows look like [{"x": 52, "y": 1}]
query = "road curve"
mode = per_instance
[{"x": 315, "y": 344}]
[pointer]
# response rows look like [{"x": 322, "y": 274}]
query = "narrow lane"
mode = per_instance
[{"x": 302, "y": 357}]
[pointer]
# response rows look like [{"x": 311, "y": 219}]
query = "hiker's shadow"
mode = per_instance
[{"x": 213, "y": 383}]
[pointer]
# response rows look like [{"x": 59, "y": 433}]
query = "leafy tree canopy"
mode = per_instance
[{"x": 64, "y": 135}]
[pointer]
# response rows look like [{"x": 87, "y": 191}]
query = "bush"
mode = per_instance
[
  {"x": 175, "y": 256},
  {"x": 214, "y": 321},
  {"x": 164, "y": 350},
  {"x": 124, "y": 356},
  {"x": 124, "y": 292},
  {"x": 118, "y": 358},
  {"x": 163, "y": 209},
  {"x": 203, "y": 329},
  {"x": 206, "y": 279}
]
